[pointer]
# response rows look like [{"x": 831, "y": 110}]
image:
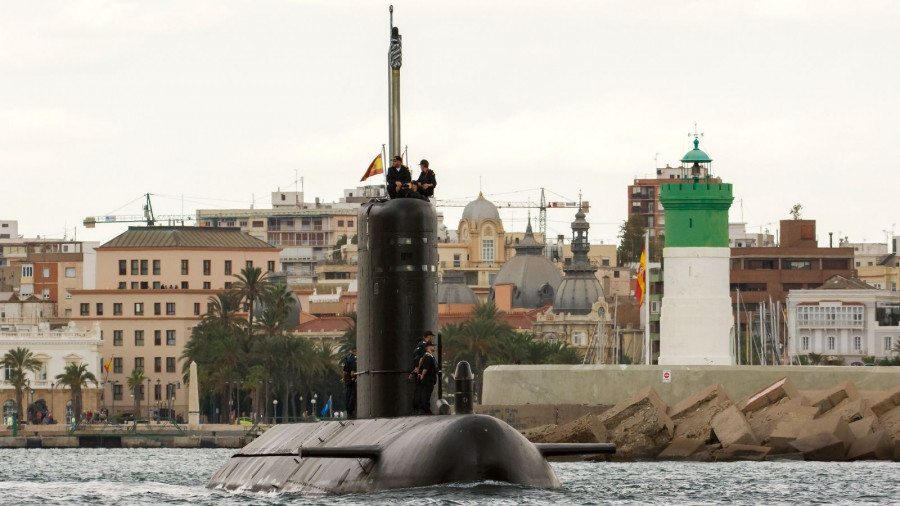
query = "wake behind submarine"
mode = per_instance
[{"x": 387, "y": 448}]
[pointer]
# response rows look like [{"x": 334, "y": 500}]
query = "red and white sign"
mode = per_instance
[{"x": 667, "y": 376}]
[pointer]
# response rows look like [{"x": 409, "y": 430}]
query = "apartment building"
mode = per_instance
[{"x": 153, "y": 287}]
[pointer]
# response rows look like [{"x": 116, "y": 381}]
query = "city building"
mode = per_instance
[
  {"x": 54, "y": 349},
  {"x": 153, "y": 286},
  {"x": 844, "y": 319},
  {"x": 529, "y": 279}
]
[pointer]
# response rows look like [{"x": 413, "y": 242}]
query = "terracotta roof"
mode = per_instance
[
  {"x": 326, "y": 324},
  {"x": 518, "y": 321},
  {"x": 186, "y": 238},
  {"x": 838, "y": 282}
]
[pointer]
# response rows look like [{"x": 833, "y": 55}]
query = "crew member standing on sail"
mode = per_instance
[
  {"x": 397, "y": 176},
  {"x": 428, "y": 375}
]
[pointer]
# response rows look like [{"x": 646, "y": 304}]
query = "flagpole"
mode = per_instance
[
  {"x": 647, "y": 299},
  {"x": 384, "y": 168}
]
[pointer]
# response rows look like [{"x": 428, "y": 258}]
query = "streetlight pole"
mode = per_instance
[
  {"x": 266, "y": 418},
  {"x": 147, "y": 395},
  {"x": 52, "y": 386},
  {"x": 314, "y": 413},
  {"x": 157, "y": 394},
  {"x": 274, "y": 411},
  {"x": 32, "y": 401},
  {"x": 112, "y": 388},
  {"x": 238, "y": 414}
]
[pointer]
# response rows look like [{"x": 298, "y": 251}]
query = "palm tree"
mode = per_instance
[
  {"x": 135, "y": 381},
  {"x": 223, "y": 309},
  {"x": 251, "y": 286},
  {"x": 19, "y": 361},
  {"x": 348, "y": 339},
  {"x": 76, "y": 377}
]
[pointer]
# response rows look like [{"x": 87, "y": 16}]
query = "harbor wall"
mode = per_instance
[{"x": 512, "y": 385}]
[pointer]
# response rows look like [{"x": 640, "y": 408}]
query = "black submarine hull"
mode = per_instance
[{"x": 358, "y": 456}]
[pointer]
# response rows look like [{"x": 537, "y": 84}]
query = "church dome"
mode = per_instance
[
  {"x": 453, "y": 290},
  {"x": 481, "y": 209},
  {"x": 535, "y": 278},
  {"x": 580, "y": 288}
]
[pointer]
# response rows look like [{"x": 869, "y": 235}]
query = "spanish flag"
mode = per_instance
[
  {"x": 376, "y": 167},
  {"x": 108, "y": 364},
  {"x": 640, "y": 290}
]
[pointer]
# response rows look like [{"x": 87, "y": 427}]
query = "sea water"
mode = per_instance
[{"x": 179, "y": 476}]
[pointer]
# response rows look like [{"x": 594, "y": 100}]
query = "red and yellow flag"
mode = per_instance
[
  {"x": 108, "y": 364},
  {"x": 376, "y": 167},
  {"x": 640, "y": 290}
]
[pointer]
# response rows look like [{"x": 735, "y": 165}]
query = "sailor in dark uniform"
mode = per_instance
[
  {"x": 426, "y": 180},
  {"x": 418, "y": 354},
  {"x": 411, "y": 191},
  {"x": 349, "y": 377},
  {"x": 397, "y": 176},
  {"x": 428, "y": 377}
]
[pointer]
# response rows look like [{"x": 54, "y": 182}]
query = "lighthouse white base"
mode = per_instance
[{"x": 695, "y": 319}]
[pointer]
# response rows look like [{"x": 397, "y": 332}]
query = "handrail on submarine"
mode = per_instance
[
  {"x": 333, "y": 452},
  {"x": 560, "y": 449}
]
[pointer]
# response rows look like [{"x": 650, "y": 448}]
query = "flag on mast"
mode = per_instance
[
  {"x": 108, "y": 364},
  {"x": 376, "y": 167},
  {"x": 641, "y": 289}
]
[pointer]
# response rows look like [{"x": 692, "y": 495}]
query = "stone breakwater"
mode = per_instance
[{"x": 777, "y": 422}]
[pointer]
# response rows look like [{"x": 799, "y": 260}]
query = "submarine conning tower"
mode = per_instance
[{"x": 398, "y": 283}]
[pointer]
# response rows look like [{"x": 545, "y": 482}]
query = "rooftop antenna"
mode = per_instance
[
  {"x": 655, "y": 162},
  {"x": 697, "y": 134}
]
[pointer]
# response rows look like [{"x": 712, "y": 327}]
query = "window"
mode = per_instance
[
  {"x": 27, "y": 271},
  {"x": 157, "y": 308},
  {"x": 144, "y": 265},
  {"x": 117, "y": 308},
  {"x": 156, "y": 285},
  {"x": 157, "y": 392},
  {"x": 887, "y": 343},
  {"x": 207, "y": 267},
  {"x": 170, "y": 364},
  {"x": 157, "y": 364},
  {"x": 207, "y": 285},
  {"x": 249, "y": 263},
  {"x": 184, "y": 285},
  {"x": 349, "y": 223},
  {"x": 616, "y": 274},
  {"x": 157, "y": 338},
  {"x": 135, "y": 285},
  {"x": 228, "y": 284},
  {"x": 805, "y": 342},
  {"x": 138, "y": 308},
  {"x": 138, "y": 337},
  {"x": 184, "y": 267},
  {"x": 228, "y": 267},
  {"x": 857, "y": 343},
  {"x": 45, "y": 272},
  {"x": 139, "y": 363},
  {"x": 340, "y": 223},
  {"x": 270, "y": 266},
  {"x": 123, "y": 285},
  {"x": 170, "y": 308},
  {"x": 134, "y": 267},
  {"x": 196, "y": 308},
  {"x": 799, "y": 265},
  {"x": 258, "y": 224},
  {"x": 832, "y": 342},
  {"x": 70, "y": 272},
  {"x": 579, "y": 337},
  {"x": 99, "y": 309},
  {"x": 156, "y": 267},
  {"x": 830, "y": 316},
  {"x": 85, "y": 309},
  {"x": 605, "y": 262},
  {"x": 41, "y": 373},
  {"x": 487, "y": 250},
  {"x": 242, "y": 223},
  {"x": 123, "y": 267},
  {"x": 117, "y": 391},
  {"x": 117, "y": 338},
  {"x": 457, "y": 261},
  {"x": 170, "y": 338},
  {"x": 117, "y": 365}
]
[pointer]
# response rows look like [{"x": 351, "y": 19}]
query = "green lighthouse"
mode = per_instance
[{"x": 695, "y": 320}]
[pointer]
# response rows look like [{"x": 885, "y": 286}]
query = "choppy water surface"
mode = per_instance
[{"x": 170, "y": 476}]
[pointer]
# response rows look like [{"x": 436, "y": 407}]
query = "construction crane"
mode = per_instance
[
  {"x": 148, "y": 217},
  {"x": 542, "y": 206}
]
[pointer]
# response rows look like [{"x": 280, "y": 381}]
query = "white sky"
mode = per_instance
[{"x": 221, "y": 102}]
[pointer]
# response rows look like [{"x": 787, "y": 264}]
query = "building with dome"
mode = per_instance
[
  {"x": 454, "y": 295},
  {"x": 528, "y": 280},
  {"x": 481, "y": 248},
  {"x": 580, "y": 288}
]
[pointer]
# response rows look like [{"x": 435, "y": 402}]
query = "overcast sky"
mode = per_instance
[{"x": 224, "y": 102}]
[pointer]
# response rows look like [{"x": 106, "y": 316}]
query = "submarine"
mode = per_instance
[{"x": 387, "y": 447}]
